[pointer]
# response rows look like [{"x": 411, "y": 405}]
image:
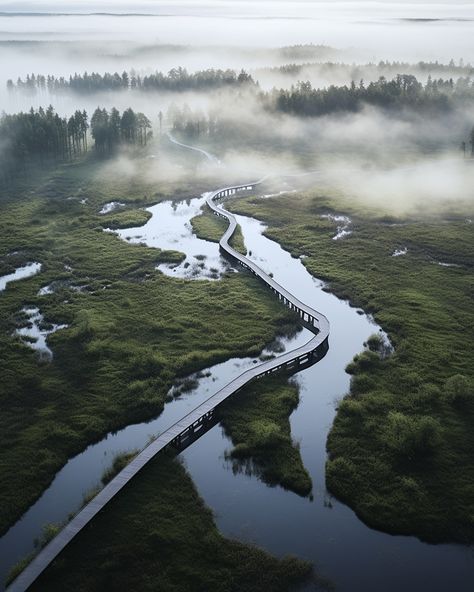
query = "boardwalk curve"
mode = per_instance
[{"x": 193, "y": 425}]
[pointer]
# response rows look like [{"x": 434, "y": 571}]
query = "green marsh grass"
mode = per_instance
[
  {"x": 401, "y": 448},
  {"x": 131, "y": 330}
]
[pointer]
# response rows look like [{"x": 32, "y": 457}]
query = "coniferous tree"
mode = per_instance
[
  {"x": 38, "y": 137},
  {"x": 176, "y": 80},
  {"x": 110, "y": 130}
]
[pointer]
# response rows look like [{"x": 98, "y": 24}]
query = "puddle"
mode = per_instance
[
  {"x": 343, "y": 224},
  {"x": 21, "y": 273},
  {"x": 400, "y": 252},
  {"x": 109, "y": 207},
  {"x": 35, "y": 333}
]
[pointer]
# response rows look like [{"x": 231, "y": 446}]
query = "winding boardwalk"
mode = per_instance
[{"x": 197, "y": 422}]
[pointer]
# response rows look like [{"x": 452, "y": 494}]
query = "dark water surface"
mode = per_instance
[
  {"x": 353, "y": 556},
  {"x": 325, "y": 531}
]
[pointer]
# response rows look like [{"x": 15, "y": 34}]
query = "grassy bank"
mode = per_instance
[
  {"x": 131, "y": 330},
  {"x": 257, "y": 421},
  {"x": 158, "y": 535},
  {"x": 210, "y": 227},
  {"x": 401, "y": 448}
]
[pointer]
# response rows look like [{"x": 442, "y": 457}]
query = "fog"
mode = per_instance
[
  {"x": 402, "y": 163},
  {"x": 376, "y": 30},
  {"x": 386, "y": 37},
  {"x": 397, "y": 160},
  {"x": 339, "y": 72},
  {"x": 40, "y": 37}
]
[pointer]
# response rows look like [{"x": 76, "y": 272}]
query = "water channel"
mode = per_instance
[{"x": 322, "y": 530}]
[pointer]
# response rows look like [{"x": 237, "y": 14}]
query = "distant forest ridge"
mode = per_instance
[
  {"x": 179, "y": 79},
  {"x": 382, "y": 68},
  {"x": 48, "y": 14},
  {"x": 402, "y": 92},
  {"x": 290, "y": 52}
]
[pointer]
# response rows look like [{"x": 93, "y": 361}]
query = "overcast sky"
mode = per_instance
[{"x": 151, "y": 5}]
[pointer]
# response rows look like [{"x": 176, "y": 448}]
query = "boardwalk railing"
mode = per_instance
[{"x": 197, "y": 422}]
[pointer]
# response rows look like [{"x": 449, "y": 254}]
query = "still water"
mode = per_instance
[
  {"x": 28, "y": 270},
  {"x": 353, "y": 556},
  {"x": 170, "y": 229},
  {"x": 343, "y": 549}
]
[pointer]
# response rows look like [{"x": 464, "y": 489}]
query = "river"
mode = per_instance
[{"x": 323, "y": 530}]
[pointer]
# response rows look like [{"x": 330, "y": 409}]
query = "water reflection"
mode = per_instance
[
  {"x": 35, "y": 332},
  {"x": 324, "y": 531},
  {"x": 169, "y": 228},
  {"x": 82, "y": 473},
  {"x": 20, "y": 273}
]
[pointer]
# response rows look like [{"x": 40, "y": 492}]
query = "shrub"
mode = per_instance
[
  {"x": 429, "y": 392},
  {"x": 351, "y": 407},
  {"x": 144, "y": 364},
  {"x": 367, "y": 360},
  {"x": 48, "y": 534},
  {"x": 458, "y": 389},
  {"x": 119, "y": 462},
  {"x": 351, "y": 368},
  {"x": 375, "y": 343},
  {"x": 410, "y": 380},
  {"x": 266, "y": 433},
  {"x": 411, "y": 436},
  {"x": 412, "y": 488}
]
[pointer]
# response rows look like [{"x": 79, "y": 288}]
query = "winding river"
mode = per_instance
[{"x": 320, "y": 529}]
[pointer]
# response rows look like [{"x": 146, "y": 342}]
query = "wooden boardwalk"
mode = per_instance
[{"x": 197, "y": 422}]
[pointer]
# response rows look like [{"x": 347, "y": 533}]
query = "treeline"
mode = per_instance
[
  {"x": 382, "y": 68},
  {"x": 177, "y": 80},
  {"x": 402, "y": 92},
  {"x": 192, "y": 123},
  {"x": 110, "y": 130},
  {"x": 41, "y": 136},
  {"x": 37, "y": 137}
]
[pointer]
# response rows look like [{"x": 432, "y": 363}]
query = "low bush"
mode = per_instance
[{"x": 411, "y": 436}]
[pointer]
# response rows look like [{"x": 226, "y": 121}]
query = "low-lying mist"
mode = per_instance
[
  {"x": 50, "y": 37},
  {"x": 402, "y": 163},
  {"x": 427, "y": 187},
  {"x": 398, "y": 160}
]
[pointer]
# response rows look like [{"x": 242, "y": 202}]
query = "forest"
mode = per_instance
[
  {"x": 41, "y": 136},
  {"x": 177, "y": 79},
  {"x": 403, "y": 95},
  {"x": 110, "y": 130},
  {"x": 402, "y": 92},
  {"x": 383, "y": 67}
]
